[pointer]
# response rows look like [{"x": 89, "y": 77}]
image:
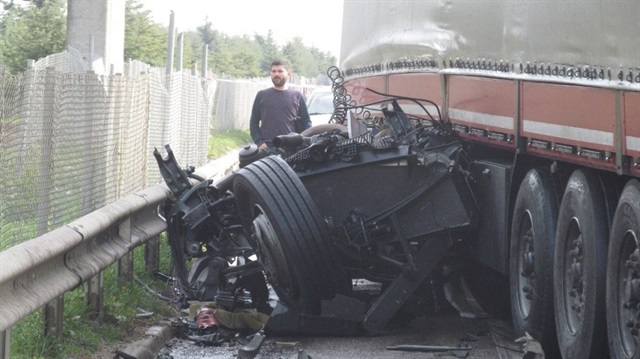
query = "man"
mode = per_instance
[{"x": 277, "y": 110}]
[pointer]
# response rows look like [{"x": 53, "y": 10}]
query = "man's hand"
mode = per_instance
[{"x": 263, "y": 146}]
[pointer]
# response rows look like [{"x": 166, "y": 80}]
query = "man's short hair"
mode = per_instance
[{"x": 282, "y": 63}]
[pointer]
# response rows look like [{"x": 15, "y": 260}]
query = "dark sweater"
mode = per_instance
[{"x": 275, "y": 113}]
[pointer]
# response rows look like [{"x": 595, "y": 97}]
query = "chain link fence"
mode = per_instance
[{"x": 72, "y": 141}]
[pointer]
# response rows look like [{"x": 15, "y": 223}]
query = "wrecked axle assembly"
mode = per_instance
[{"x": 385, "y": 198}]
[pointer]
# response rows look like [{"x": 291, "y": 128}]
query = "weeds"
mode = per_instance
[
  {"x": 122, "y": 299},
  {"x": 223, "y": 141},
  {"x": 83, "y": 337}
]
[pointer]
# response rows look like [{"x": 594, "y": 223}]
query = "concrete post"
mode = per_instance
[
  {"x": 170, "y": 48},
  {"x": 205, "y": 59},
  {"x": 48, "y": 118},
  {"x": 104, "y": 21},
  {"x": 180, "y": 51}
]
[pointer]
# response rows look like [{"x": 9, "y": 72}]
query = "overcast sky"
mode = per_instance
[{"x": 317, "y": 22}]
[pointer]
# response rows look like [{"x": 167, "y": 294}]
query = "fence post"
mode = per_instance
[
  {"x": 205, "y": 59},
  {"x": 53, "y": 317},
  {"x": 94, "y": 295},
  {"x": 152, "y": 254},
  {"x": 49, "y": 97},
  {"x": 180, "y": 51},
  {"x": 52, "y": 311},
  {"x": 172, "y": 34},
  {"x": 125, "y": 264},
  {"x": 5, "y": 344}
]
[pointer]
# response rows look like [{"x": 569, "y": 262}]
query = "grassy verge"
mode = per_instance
[
  {"x": 223, "y": 141},
  {"x": 123, "y": 300}
]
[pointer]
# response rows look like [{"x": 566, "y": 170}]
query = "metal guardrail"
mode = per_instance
[{"x": 40, "y": 270}]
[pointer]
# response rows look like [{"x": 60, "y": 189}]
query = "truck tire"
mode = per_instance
[
  {"x": 292, "y": 240},
  {"x": 580, "y": 268},
  {"x": 531, "y": 259},
  {"x": 623, "y": 275}
]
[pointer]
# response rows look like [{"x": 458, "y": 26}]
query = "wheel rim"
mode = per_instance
[
  {"x": 574, "y": 281},
  {"x": 628, "y": 290},
  {"x": 526, "y": 258},
  {"x": 270, "y": 253}
]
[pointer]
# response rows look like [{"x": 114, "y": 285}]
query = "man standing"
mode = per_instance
[{"x": 277, "y": 110}]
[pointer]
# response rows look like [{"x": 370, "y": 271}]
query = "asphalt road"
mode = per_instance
[{"x": 487, "y": 338}]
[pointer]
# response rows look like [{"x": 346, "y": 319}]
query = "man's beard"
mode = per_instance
[{"x": 279, "y": 82}]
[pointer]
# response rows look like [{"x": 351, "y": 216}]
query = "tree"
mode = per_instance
[
  {"x": 269, "y": 50},
  {"x": 192, "y": 49},
  {"x": 144, "y": 40},
  {"x": 299, "y": 57},
  {"x": 32, "y": 32}
]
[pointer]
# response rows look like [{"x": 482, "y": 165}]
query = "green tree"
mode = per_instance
[
  {"x": 144, "y": 39},
  {"x": 32, "y": 32},
  {"x": 236, "y": 56},
  {"x": 321, "y": 61},
  {"x": 208, "y": 35},
  {"x": 192, "y": 49},
  {"x": 269, "y": 50},
  {"x": 300, "y": 57}
]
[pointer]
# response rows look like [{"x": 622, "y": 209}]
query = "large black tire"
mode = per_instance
[
  {"x": 580, "y": 268},
  {"x": 623, "y": 276},
  {"x": 293, "y": 243},
  {"x": 531, "y": 259}
]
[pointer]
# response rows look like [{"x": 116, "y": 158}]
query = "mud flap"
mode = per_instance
[{"x": 395, "y": 296}]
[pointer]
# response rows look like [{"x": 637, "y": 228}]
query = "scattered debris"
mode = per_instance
[
  {"x": 206, "y": 318},
  {"x": 250, "y": 350},
  {"x": 531, "y": 348},
  {"x": 143, "y": 314},
  {"x": 458, "y": 352}
]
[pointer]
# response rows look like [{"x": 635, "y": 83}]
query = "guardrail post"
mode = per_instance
[
  {"x": 53, "y": 317},
  {"x": 94, "y": 295},
  {"x": 152, "y": 254},
  {"x": 5, "y": 344},
  {"x": 125, "y": 264}
]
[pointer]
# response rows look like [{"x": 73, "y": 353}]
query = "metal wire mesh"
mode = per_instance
[{"x": 72, "y": 142}]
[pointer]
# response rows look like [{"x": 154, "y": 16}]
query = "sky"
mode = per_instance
[{"x": 317, "y": 22}]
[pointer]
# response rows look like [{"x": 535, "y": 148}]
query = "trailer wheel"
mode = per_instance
[
  {"x": 292, "y": 240},
  {"x": 531, "y": 258},
  {"x": 623, "y": 276},
  {"x": 580, "y": 268}
]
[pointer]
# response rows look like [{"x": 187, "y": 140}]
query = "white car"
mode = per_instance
[{"x": 320, "y": 105}]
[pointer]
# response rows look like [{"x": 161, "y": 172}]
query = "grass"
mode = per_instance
[
  {"x": 83, "y": 337},
  {"x": 223, "y": 141}
]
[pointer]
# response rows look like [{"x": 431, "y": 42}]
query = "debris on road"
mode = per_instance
[{"x": 458, "y": 352}]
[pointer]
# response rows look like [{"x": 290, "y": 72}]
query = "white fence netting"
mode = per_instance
[{"x": 72, "y": 141}]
